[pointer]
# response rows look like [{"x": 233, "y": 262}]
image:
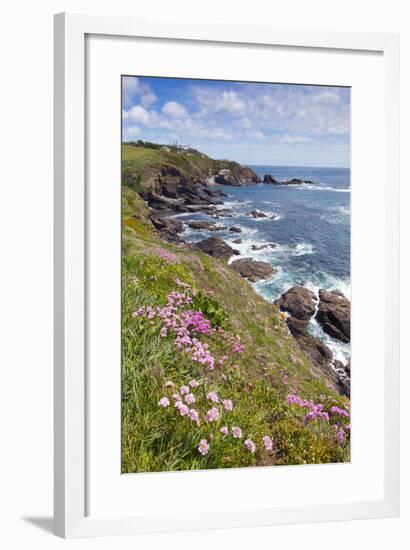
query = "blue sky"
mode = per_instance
[{"x": 252, "y": 123}]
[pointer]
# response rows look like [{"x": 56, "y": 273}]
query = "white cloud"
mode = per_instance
[
  {"x": 256, "y": 134},
  {"x": 133, "y": 132},
  {"x": 174, "y": 109},
  {"x": 291, "y": 109},
  {"x": 141, "y": 116},
  {"x": 327, "y": 97},
  {"x": 227, "y": 102},
  {"x": 132, "y": 87},
  {"x": 286, "y": 138}
]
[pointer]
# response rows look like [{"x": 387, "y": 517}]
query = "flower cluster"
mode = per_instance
[
  {"x": 339, "y": 412},
  {"x": 232, "y": 340},
  {"x": 210, "y": 410},
  {"x": 184, "y": 324},
  {"x": 166, "y": 255},
  {"x": 317, "y": 411}
]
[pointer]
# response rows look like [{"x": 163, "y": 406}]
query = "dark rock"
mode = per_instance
[
  {"x": 216, "y": 228},
  {"x": 257, "y": 214},
  {"x": 252, "y": 269},
  {"x": 200, "y": 225},
  {"x": 168, "y": 228},
  {"x": 241, "y": 176},
  {"x": 262, "y": 246},
  {"x": 214, "y": 246},
  {"x": 296, "y": 181},
  {"x": 238, "y": 241},
  {"x": 267, "y": 178},
  {"x": 300, "y": 302},
  {"x": 319, "y": 353},
  {"x": 208, "y": 208},
  {"x": 235, "y": 229},
  {"x": 334, "y": 314}
]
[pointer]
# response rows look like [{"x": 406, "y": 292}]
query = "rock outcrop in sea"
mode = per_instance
[
  {"x": 334, "y": 314},
  {"x": 253, "y": 270},
  {"x": 216, "y": 247},
  {"x": 301, "y": 303}
]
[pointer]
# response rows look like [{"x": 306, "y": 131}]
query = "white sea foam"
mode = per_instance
[
  {"x": 336, "y": 214},
  {"x": 268, "y": 217},
  {"x": 324, "y": 188}
]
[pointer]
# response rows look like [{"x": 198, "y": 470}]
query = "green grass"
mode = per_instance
[
  {"x": 257, "y": 381},
  {"x": 142, "y": 164}
]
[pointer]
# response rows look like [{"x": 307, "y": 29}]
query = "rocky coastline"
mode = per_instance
[{"x": 170, "y": 192}]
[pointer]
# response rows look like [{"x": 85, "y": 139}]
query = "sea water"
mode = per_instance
[{"x": 310, "y": 231}]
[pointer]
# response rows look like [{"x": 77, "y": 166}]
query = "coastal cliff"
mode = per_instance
[{"x": 274, "y": 385}]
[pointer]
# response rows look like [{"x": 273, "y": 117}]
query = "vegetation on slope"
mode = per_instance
[
  {"x": 142, "y": 164},
  {"x": 285, "y": 409}
]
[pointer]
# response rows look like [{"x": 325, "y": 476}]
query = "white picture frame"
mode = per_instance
[{"x": 70, "y": 265}]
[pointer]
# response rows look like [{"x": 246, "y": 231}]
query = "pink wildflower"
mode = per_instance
[
  {"x": 163, "y": 402},
  {"x": 250, "y": 445},
  {"x": 184, "y": 390},
  {"x": 169, "y": 384},
  {"x": 190, "y": 399},
  {"x": 267, "y": 442},
  {"x": 194, "y": 416},
  {"x": 341, "y": 436},
  {"x": 224, "y": 430},
  {"x": 166, "y": 255},
  {"x": 238, "y": 347},
  {"x": 176, "y": 397},
  {"x": 227, "y": 403},
  {"x": 338, "y": 411},
  {"x": 236, "y": 432},
  {"x": 193, "y": 383},
  {"x": 212, "y": 397},
  {"x": 183, "y": 409},
  {"x": 212, "y": 415},
  {"x": 203, "y": 447}
]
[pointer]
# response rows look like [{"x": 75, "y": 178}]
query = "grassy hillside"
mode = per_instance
[
  {"x": 189, "y": 317},
  {"x": 141, "y": 164}
]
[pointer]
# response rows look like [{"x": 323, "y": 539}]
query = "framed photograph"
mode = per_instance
[{"x": 226, "y": 275}]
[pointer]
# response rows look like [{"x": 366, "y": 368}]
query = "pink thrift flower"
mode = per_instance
[
  {"x": 169, "y": 384},
  {"x": 311, "y": 415},
  {"x": 184, "y": 390},
  {"x": 193, "y": 383},
  {"x": 341, "y": 436},
  {"x": 194, "y": 416},
  {"x": 267, "y": 442},
  {"x": 236, "y": 432},
  {"x": 176, "y": 397},
  {"x": 183, "y": 409},
  {"x": 203, "y": 447},
  {"x": 339, "y": 411},
  {"x": 224, "y": 430},
  {"x": 163, "y": 402},
  {"x": 227, "y": 403},
  {"x": 212, "y": 397},
  {"x": 250, "y": 445},
  {"x": 212, "y": 415},
  {"x": 190, "y": 399}
]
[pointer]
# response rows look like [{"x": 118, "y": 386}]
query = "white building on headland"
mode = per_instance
[{"x": 224, "y": 172}]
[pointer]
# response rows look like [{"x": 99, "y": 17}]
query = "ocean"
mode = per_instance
[{"x": 311, "y": 232}]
